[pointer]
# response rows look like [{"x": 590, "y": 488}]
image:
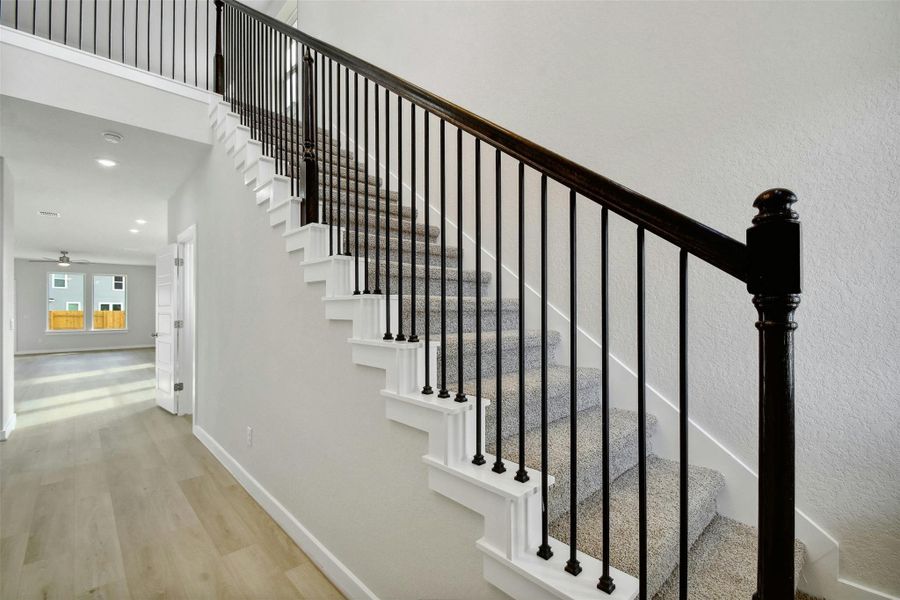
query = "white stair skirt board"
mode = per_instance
[
  {"x": 237, "y": 139},
  {"x": 511, "y": 510}
]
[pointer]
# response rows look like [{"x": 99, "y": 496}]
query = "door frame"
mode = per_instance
[{"x": 186, "y": 361}]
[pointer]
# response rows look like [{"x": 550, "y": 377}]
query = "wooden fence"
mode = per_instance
[
  {"x": 109, "y": 319},
  {"x": 61, "y": 320}
]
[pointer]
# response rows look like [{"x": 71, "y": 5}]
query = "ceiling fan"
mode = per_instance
[{"x": 62, "y": 260}]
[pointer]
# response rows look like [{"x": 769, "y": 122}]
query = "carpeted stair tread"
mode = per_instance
[
  {"x": 509, "y": 346},
  {"x": 622, "y": 451},
  {"x": 509, "y": 311},
  {"x": 346, "y": 221},
  {"x": 557, "y": 396},
  {"x": 662, "y": 518},
  {"x": 722, "y": 563}
]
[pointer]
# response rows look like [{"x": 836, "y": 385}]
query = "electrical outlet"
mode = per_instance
[{"x": 249, "y": 437}]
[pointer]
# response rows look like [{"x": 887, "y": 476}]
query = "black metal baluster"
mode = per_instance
[
  {"x": 366, "y": 265},
  {"x": 642, "y": 421},
  {"x": 427, "y": 389},
  {"x": 148, "y": 34},
  {"x": 355, "y": 180},
  {"x": 606, "y": 583},
  {"x": 298, "y": 146},
  {"x": 683, "y": 425},
  {"x": 335, "y": 179},
  {"x": 544, "y": 550},
  {"x": 231, "y": 29},
  {"x": 49, "y": 20},
  {"x": 108, "y": 27},
  {"x": 183, "y": 41},
  {"x": 320, "y": 70},
  {"x": 521, "y": 474},
  {"x": 330, "y": 172},
  {"x": 387, "y": 217},
  {"x": 95, "y": 24},
  {"x": 377, "y": 289},
  {"x": 34, "y": 17},
  {"x": 572, "y": 565},
  {"x": 195, "y": 44},
  {"x": 206, "y": 69},
  {"x": 444, "y": 393},
  {"x": 498, "y": 467},
  {"x": 460, "y": 393},
  {"x": 347, "y": 151},
  {"x": 66, "y": 22},
  {"x": 347, "y": 140},
  {"x": 413, "y": 337},
  {"x": 136, "y": 20},
  {"x": 81, "y": 25},
  {"x": 173, "y": 39},
  {"x": 478, "y": 459},
  {"x": 400, "y": 337}
]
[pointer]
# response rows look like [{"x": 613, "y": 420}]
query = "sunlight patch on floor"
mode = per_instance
[{"x": 83, "y": 374}]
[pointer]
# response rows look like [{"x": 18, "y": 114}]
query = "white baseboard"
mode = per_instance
[
  {"x": 7, "y": 431},
  {"x": 70, "y": 350},
  {"x": 342, "y": 577}
]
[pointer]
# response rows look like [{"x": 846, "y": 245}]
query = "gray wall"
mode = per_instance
[
  {"x": 31, "y": 312},
  {"x": 7, "y": 298},
  {"x": 275, "y": 370}
]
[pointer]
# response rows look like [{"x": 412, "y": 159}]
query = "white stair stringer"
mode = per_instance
[{"x": 511, "y": 510}]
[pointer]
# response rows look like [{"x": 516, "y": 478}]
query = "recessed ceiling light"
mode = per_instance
[
  {"x": 134, "y": 230},
  {"x": 112, "y": 137},
  {"x": 140, "y": 221},
  {"x": 105, "y": 162},
  {"x": 48, "y": 213}
]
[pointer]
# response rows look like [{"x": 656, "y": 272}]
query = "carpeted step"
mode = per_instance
[
  {"x": 347, "y": 222},
  {"x": 434, "y": 255},
  {"x": 722, "y": 563},
  {"x": 623, "y": 434},
  {"x": 452, "y": 275},
  {"x": 557, "y": 396},
  {"x": 509, "y": 313},
  {"x": 662, "y": 518},
  {"x": 342, "y": 199},
  {"x": 509, "y": 348},
  {"x": 371, "y": 188}
]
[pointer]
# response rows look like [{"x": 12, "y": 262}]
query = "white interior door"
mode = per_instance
[{"x": 166, "y": 309}]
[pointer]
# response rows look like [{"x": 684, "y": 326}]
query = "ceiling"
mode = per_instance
[{"x": 52, "y": 155}]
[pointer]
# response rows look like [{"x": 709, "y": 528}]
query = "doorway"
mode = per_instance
[{"x": 175, "y": 325}]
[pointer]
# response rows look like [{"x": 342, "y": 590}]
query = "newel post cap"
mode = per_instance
[{"x": 774, "y": 245}]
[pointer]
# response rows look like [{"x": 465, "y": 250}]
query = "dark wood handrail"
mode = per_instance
[{"x": 714, "y": 247}]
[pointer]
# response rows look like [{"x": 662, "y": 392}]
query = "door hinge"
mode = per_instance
[
  {"x": 179, "y": 387},
  {"x": 179, "y": 324},
  {"x": 179, "y": 262}
]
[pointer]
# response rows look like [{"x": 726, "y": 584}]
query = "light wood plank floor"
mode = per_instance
[{"x": 103, "y": 495}]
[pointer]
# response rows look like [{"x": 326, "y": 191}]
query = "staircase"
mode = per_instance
[
  {"x": 520, "y": 431},
  {"x": 723, "y": 552}
]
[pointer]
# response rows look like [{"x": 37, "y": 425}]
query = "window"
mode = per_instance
[
  {"x": 110, "y": 302},
  {"x": 65, "y": 302}
]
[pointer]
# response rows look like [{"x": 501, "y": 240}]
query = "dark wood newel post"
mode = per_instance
[
  {"x": 309, "y": 212},
  {"x": 219, "y": 58},
  {"x": 774, "y": 249}
]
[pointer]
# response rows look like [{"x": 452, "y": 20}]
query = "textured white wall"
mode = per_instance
[
  {"x": 702, "y": 106},
  {"x": 268, "y": 359}
]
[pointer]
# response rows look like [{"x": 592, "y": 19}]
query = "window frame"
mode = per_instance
[
  {"x": 124, "y": 303},
  {"x": 65, "y": 278}
]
